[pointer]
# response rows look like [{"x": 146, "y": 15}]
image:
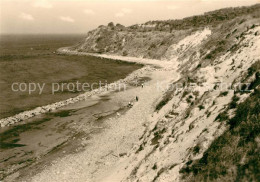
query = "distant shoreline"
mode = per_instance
[
  {"x": 138, "y": 60},
  {"x": 54, "y": 106}
]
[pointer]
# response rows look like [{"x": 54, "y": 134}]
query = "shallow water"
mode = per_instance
[
  {"x": 30, "y": 145},
  {"x": 34, "y": 143},
  {"x": 31, "y": 59}
]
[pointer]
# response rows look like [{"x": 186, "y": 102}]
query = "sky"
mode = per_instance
[{"x": 80, "y": 16}]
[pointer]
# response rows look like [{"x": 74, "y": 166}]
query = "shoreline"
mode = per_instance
[
  {"x": 135, "y": 119},
  {"x": 138, "y": 60},
  {"x": 120, "y": 136},
  {"x": 148, "y": 63},
  {"x": 61, "y": 133}
]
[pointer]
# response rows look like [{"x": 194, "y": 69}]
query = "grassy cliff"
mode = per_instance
[{"x": 204, "y": 133}]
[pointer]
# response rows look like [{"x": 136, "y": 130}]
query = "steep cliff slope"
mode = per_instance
[
  {"x": 152, "y": 39},
  {"x": 218, "y": 57}
]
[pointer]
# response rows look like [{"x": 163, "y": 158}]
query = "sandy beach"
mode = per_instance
[
  {"x": 133, "y": 91},
  {"x": 118, "y": 134},
  {"x": 54, "y": 106}
]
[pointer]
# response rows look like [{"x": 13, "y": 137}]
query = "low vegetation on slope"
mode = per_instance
[
  {"x": 153, "y": 39},
  {"x": 234, "y": 156},
  {"x": 212, "y": 18},
  {"x": 214, "y": 48}
]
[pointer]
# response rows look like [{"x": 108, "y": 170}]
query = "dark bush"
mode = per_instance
[
  {"x": 201, "y": 107},
  {"x": 233, "y": 103},
  {"x": 222, "y": 116},
  {"x": 163, "y": 102},
  {"x": 223, "y": 94}
]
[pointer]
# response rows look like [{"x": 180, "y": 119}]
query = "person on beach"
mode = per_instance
[
  {"x": 136, "y": 98},
  {"x": 142, "y": 85},
  {"x": 130, "y": 104}
]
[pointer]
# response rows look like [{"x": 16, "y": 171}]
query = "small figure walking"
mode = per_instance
[
  {"x": 142, "y": 85},
  {"x": 136, "y": 98},
  {"x": 130, "y": 104}
]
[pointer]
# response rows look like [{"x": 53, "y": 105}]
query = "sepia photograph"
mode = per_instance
[{"x": 129, "y": 90}]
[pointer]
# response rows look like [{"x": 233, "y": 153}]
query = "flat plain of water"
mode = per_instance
[
  {"x": 26, "y": 147},
  {"x": 32, "y": 59}
]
